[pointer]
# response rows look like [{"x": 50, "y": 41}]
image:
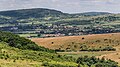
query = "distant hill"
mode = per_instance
[
  {"x": 43, "y": 12},
  {"x": 38, "y": 22},
  {"x": 32, "y": 13},
  {"x": 93, "y": 13}
]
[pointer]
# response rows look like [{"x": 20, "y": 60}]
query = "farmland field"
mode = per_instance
[
  {"x": 95, "y": 40},
  {"x": 75, "y": 42}
]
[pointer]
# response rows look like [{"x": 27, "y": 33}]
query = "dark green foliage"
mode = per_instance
[
  {"x": 93, "y": 13},
  {"x": 47, "y": 58},
  {"x": 105, "y": 48},
  {"x": 43, "y": 12},
  {"x": 59, "y": 50},
  {"x": 46, "y": 64},
  {"x": 20, "y": 42},
  {"x": 32, "y": 13},
  {"x": 96, "y": 62}
]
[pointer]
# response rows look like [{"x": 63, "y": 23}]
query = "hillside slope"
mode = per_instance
[
  {"x": 76, "y": 43},
  {"x": 32, "y": 13},
  {"x": 20, "y": 42},
  {"x": 43, "y": 12},
  {"x": 93, "y": 13},
  {"x": 22, "y": 52},
  {"x": 13, "y": 57}
]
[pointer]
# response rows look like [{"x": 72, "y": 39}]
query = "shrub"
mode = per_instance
[
  {"x": 21, "y": 42},
  {"x": 92, "y": 61}
]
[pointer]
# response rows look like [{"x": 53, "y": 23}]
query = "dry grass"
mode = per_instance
[
  {"x": 113, "y": 56},
  {"x": 112, "y": 39},
  {"x": 94, "y": 40}
]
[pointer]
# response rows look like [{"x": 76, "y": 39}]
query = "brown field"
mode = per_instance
[
  {"x": 113, "y": 56},
  {"x": 73, "y": 42},
  {"x": 112, "y": 39}
]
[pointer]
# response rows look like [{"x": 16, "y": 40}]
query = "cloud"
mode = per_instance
[{"x": 71, "y": 6}]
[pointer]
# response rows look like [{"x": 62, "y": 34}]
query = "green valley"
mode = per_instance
[{"x": 41, "y": 22}]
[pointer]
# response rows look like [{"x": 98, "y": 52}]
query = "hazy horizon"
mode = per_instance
[{"x": 66, "y": 6}]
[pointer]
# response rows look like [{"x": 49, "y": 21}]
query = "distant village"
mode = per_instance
[{"x": 52, "y": 30}]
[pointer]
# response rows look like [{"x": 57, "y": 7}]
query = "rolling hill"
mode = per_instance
[
  {"x": 93, "y": 13},
  {"x": 12, "y": 57},
  {"x": 43, "y": 12},
  {"x": 32, "y": 13},
  {"x": 39, "y": 22},
  {"x": 21, "y": 52}
]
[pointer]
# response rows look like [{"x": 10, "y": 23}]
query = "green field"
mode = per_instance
[{"x": 28, "y": 35}]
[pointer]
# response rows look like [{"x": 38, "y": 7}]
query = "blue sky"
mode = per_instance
[{"x": 68, "y": 6}]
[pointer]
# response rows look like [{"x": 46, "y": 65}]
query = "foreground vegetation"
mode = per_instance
[
  {"x": 20, "y": 42},
  {"x": 95, "y": 62},
  {"x": 29, "y": 55},
  {"x": 13, "y": 56},
  {"x": 16, "y": 50}
]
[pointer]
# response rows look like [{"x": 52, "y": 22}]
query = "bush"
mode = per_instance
[
  {"x": 21, "y": 42},
  {"x": 58, "y": 64},
  {"x": 92, "y": 61}
]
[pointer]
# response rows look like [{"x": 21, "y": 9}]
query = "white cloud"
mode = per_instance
[{"x": 70, "y": 6}]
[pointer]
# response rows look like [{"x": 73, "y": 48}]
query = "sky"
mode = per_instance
[{"x": 67, "y": 6}]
